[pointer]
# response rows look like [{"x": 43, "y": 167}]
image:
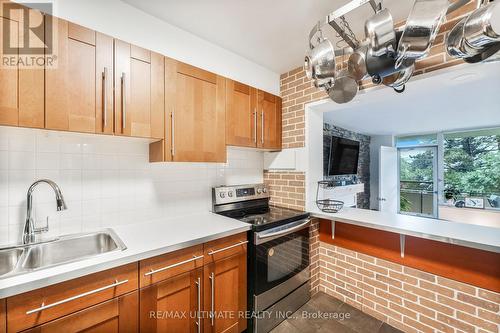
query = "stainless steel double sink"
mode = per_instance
[{"x": 26, "y": 258}]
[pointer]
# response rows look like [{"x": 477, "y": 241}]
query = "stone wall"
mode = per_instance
[{"x": 363, "y": 175}]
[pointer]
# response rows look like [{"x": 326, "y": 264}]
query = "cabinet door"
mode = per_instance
[
  {"x": 119, "y": 315},
  {"x": 241, "y": 114},
  {"x": 225, "y": 283},
  {"x": 197, "y": 107},
  {"x": 70, "y": 84},
  {"x": 139, "y": 88},
  {"x": 3, "y": 317},
  {"x": 270, "y": 121},
  {"x": 172, "y": 305},
  {"x": 21, "y": 86}
]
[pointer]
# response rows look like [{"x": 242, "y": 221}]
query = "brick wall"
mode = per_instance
[
  {"x": 406, "y": 298},
  {"x": 287, "y": 189}
]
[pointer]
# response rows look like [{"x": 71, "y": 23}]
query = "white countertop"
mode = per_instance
[
  {"x": 142, "y": 240},
  {"x": 474, "y": 236}
]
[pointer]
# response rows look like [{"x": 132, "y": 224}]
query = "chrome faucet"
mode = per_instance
[{"x": 30, "y": 232}]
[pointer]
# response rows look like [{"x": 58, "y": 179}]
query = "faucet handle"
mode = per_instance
[{"x": 43, "y": 229}]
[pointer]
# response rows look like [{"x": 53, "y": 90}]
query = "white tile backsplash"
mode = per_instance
[{"x": 106, "y": 181}]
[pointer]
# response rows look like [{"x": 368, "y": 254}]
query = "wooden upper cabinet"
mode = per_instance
[
  {"x": 21, "y": 86},
  {"x": 269, "y": 129},
  {"x": 139, "y": 92},
  {"x": 195, "y": 101},
  {"x": 78, "y": 87},
  {"x": 253, "y": 117},
  {"x": 181, "y": 294},
  {"x": 119, "y": 315},
  {"x": 241, "y": 114},
  {"x": 225, "y": 291}
]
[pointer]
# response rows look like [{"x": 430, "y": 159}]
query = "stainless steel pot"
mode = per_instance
[
  {"x": 379, "y": 30},
  {"x": 356, "y": 65},
  {"x": 482, "y": 27},
  {"x": 320, "y": 62},
  {"x": 421, "y": 29},
  {"x": 456, "y": 46},
  {"x": 344, "y": 88}
]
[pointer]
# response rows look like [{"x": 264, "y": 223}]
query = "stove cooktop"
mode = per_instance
[{"x": 268, "y": 217}]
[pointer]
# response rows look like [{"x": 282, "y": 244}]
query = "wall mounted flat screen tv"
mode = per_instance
[{"x": 344, "y": 155}]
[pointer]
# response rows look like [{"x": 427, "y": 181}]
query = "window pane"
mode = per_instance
[
  {"x": 472, "y": 167},
  {"x": 416, "y": 140}
]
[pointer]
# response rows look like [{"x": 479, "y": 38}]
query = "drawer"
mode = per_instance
[
  {"x": 45, "y": 304},
  {"x": 225, "y": 247},
  {"x": 116, "y": 315},
  {"x": 165, "y": 266}
]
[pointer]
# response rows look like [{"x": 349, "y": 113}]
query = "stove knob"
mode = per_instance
[
  {"x": 264, "y": 190},
  {"x": 259, "y": 191},
  {"x": 230, "y": 194},
  {"x": 222, "y": 194}
]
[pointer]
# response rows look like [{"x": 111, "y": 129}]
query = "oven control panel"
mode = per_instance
[{"x": 229, "y": 194}]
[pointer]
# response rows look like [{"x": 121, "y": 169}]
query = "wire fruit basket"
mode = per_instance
[{"x": 328, "y": 205}]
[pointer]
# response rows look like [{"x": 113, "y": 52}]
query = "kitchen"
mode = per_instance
[{"x": 184, "y": 184}]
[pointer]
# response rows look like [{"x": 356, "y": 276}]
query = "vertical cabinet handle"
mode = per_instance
[
  {"x": 172, "y": 115},
  {"x": 198, "y": 315},
  {"x": 255, "y": 125},
  {"x": 124, "y": 102},
  {"x": 262, "y": 129},
  {"x": 105, "y": 97},
  {"x": 212, "y": 283}
]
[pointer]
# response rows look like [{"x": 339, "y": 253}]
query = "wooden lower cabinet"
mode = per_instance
[
  {"x": 119, "y": 315},
  {"x": 3, "y": 319},
  {"x": 172, "y": 305},
  {"x": 180, "y": 298},
  {"x": 225, "y": 294}
]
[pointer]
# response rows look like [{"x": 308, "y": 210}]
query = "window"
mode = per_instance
[
  {"x": 472, "y": 167},
  {"x": 416, "y": 140}
]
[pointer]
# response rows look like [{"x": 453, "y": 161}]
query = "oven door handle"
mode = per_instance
[{"x": 285, "y": 231}]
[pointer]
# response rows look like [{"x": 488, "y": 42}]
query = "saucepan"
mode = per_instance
[
  {"x": 398, "y": 80},
  {"x": 379, "y": 30},
  {"x": 421, "y": 29},
  {"x": 477, "y": 36},
  {"x": 319, "y": 63}
]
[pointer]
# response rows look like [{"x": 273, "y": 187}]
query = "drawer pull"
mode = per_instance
[
  {"x": 48, "y": 306},
  {"x": 212, "y": 252},
  {"x": 153, "y": 271}
]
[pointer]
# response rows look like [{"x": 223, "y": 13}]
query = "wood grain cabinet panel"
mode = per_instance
[
  {"x": 241, "y": 114},
  {"x": 269, "y": 130},
  {"x": 173, "y": 304},
  {"x": 225, "y": 294},
  {"x": 225, "y": 247},
  {"x": 167, "y": 265},
  {"x": 78, "y": 87},
  {"x": 21, "y": 83},
  {"x": 25, "y": 310},
  {"x": 119, "y": 315},
  {"x": 139, "y": 91},
  {"x": 3, "y": 317},
  {"x": 195, "y": 111}
]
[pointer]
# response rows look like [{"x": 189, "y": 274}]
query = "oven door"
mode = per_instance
[{"x": 282, "y": 261}]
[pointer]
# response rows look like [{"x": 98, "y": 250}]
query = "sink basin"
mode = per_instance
[
  {"x": 69, "y": 249},
  {"x": 66, "y": 249},
  {"x": 9, "y": 259}
]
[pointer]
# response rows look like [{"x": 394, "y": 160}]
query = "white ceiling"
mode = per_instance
[
  {"x": 465, "y": 98},
  {"x": 272, "y": 33}
]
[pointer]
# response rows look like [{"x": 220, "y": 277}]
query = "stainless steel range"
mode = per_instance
[{"x": 278, "y": 254}]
